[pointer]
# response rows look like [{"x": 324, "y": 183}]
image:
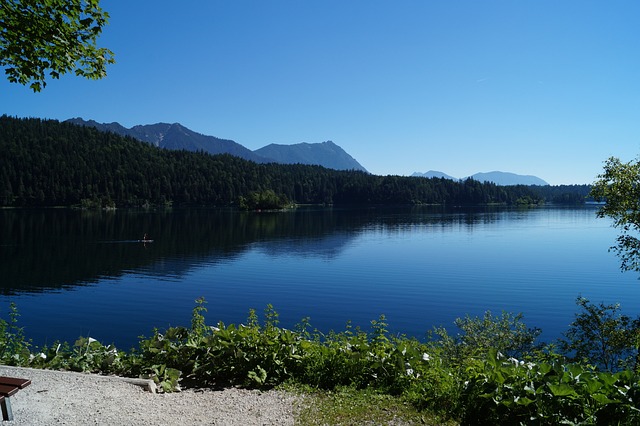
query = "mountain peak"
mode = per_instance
[
  {"x": 176, "y": 136},
  {"x": 508, "y": 178},
  {"x": 497, "y": 177},
  {"x": 326, "y": 154},
  {"x": 433, "y": 173}
]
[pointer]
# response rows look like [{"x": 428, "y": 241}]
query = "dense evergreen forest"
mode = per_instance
[
  {"x": 48, "y": 163},
  {"x": 564, "y": 194}
]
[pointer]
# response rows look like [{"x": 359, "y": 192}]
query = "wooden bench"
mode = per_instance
[{"x": 9, "y": 386}]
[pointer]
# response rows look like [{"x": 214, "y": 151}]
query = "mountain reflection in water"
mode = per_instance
[{"x": 74, "y": 272}]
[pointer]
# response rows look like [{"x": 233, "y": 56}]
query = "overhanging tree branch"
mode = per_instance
[{"x": 40, "y": 37}]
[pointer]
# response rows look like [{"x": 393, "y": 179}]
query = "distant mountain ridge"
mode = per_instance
[
  {"x": 433, "y": 174},
  {"x": 176, "y": 136},
  {"x": 497, "y": 177},
  {"x": 326, "y": 153}
]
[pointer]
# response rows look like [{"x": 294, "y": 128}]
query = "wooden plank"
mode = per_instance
[
  {"x": 5, "y": 407},
  {"x": 8, "y": 390},
  {"x": 14, "y": 381}
]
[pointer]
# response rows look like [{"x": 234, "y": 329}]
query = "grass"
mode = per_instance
[{"x": 349, "y": 406}]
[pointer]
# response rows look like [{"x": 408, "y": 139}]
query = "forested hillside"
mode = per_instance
[
  {"x": 48, "y": 163},
  {"x": 564, "y": 194}
]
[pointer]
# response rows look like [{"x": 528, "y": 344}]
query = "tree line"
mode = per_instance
[{"x": 49, "y": 163}]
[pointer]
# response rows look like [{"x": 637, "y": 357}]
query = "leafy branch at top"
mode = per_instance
[{"x": 52, "y": 36}]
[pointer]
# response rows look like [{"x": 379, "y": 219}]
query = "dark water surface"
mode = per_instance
[{"x": 75, "y": 273}]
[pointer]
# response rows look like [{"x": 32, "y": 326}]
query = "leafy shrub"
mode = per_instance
[
  {"x": 506, "y": 333},
  {"x": 14, "y": 347},
  {"x": 87, "y": 355},
  {"x": 508, "y": 391},
  {"x": 251, "y": 354},
  {"x": 603, "y": 337},
  {"x": 356, "y": 358},
  {"x": 465, "y": 378}
]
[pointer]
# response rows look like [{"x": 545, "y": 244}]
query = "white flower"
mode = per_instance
[
  {"x": 409, "y": 372},
  {"x": 40, "y": 355},
  {"x": 426, "y": 357},
  {"x": 90, "y": 340}
]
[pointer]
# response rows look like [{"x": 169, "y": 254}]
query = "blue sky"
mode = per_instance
[{"x": 547, "y": 88}]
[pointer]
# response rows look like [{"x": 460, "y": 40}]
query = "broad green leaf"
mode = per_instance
[
  {"x": 607, "y": 378},
  {"x": 544, "y": 368},
  {"x": 592, "y": 386},
  {"x": 523, "y": 400},
  {"x": 561, "y": 389},
  {"x": 603, "y": 399}
]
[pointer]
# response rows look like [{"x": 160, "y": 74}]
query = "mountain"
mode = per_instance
[
  {"x": 499, "y": 178},
  {"x": 433, "y": 174},
  {"x": 506, "y": 178},
  {"x": 327, "y": 154},
  {"x": 176, "y": 136}
]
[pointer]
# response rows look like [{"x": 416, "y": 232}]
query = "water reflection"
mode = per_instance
[
  {"x": 421, "y": 267},
  {"x": 44, "y": 250}
]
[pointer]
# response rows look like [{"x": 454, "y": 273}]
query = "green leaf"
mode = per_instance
[
  {"x": 592, "y": 386},
  {"x": 259, "y": 377},
  {"x": 544, "y": 368},
  {"x": 523, "y": 401},
  {"x": 607, "y": 378},
  {"x": 561, "y": 389},
  {"x": 575, "y": 370},
  {"x": 602, "y": 399}
]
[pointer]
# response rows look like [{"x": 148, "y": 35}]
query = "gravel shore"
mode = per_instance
[{"x": 67, "y": 398}]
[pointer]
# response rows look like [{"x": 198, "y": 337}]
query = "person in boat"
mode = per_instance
[{"x": 145, "y": 238}]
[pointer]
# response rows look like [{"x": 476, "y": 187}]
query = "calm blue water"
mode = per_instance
[{"x": 74, "y": 274}]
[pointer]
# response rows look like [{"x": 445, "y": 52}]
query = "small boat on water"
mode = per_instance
[{"x": 145, "y": 239}]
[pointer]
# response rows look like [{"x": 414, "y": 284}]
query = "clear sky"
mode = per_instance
[{"x": 546, "y": 88}]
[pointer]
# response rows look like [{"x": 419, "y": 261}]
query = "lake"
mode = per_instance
[{"x": 79, "y": 273}]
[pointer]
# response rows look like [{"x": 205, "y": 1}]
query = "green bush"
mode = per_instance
[
  {"x": 507, "y": 333},
  {"x": 14, "y": 347},
  {"x": 603, "y": 337},
  {"x": 474, "y": 377},
  {"x": 508, "y": 391}
]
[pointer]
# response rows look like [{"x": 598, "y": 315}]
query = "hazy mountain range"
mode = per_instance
[
  {"x": 499, "y": 178},
  {"x": 176, "y": 136},
  {"x": 326, "y": 154}
]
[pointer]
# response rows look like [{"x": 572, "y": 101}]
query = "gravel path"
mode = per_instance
[{"x": 66, "y": 398}]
